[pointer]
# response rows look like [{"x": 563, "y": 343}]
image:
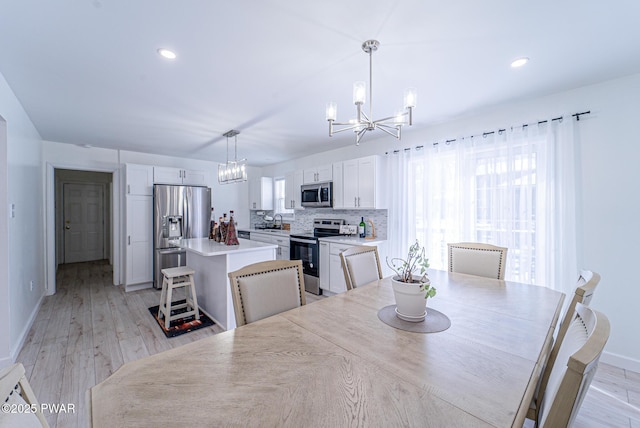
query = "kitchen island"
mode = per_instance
[{"x": 212, "y": 261}]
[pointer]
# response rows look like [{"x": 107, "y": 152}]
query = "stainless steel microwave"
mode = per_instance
[{"x": 317, "y": 194}]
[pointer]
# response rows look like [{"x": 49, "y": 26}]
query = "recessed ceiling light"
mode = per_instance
[
  {"x": 166, "y": 53},
  {"x": 519, "y": 62}
]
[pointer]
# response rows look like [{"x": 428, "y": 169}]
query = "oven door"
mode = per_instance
[{"x": 307, "y": 250}]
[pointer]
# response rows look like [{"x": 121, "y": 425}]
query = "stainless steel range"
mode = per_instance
[{"x": 305, "y": 247}]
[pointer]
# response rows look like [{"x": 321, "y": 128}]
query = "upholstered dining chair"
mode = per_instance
[
  {"x": 574, "y": 368},
  {"x": 361, "y": 265},
  {"x": 16, "y": 391},
  {"x": 263, "y": 289},
  {"x": 477, "y": 259},
  {"x": 585, "y": 288}
]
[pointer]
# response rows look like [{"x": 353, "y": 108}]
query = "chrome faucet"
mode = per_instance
[{"x": 274, "y": 220}]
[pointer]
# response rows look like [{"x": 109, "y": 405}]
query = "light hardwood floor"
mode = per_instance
[{"x": 89, "y": 328}]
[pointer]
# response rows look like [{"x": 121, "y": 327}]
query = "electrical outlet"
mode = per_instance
[{"x": 31, "y": 284}]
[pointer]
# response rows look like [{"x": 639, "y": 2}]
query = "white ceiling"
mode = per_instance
[{"x": 87, "y": 71}]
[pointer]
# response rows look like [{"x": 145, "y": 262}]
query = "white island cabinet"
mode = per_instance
[{"x": 212, "y": 261}]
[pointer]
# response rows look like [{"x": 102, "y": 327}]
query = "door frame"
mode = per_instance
[{"x": 50, "y": 220}]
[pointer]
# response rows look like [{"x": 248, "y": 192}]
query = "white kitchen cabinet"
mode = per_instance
[
  {"x": 191, "y": 177},
  {"x": 261, "y": 193},
  {"x": 338, "y": 185},
  {"x": 139, "y": 239},
  {"x": 362, "y": 183},
  {"x": 292, "y": 183},
  {"x": 325, "y": 269},
  {"x": 138, "y": 179},
  {"x": 337, "y": 283},
  {"x": 318, "y": 175},
  {"x": 282, "y": 252}
]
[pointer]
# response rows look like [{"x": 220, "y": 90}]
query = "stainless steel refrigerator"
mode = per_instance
[{"x": 179, "y": 212}]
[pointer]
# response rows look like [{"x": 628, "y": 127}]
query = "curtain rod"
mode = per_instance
[{"x": 500, "y": 131}]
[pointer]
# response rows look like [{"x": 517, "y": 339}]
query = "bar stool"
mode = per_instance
[{"x": 173, "y": 278}]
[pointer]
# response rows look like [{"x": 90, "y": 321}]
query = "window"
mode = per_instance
[
  {"x": 280, "y": 197},
  {"x": 512, "y": 188}
]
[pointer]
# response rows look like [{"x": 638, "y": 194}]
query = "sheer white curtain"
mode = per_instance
[{"x": 513, "y": 188}]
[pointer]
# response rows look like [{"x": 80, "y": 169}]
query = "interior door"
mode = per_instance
[{"x": 83, "y": 222}]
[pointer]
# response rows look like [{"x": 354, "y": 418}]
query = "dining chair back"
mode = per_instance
[
  {"x": 477, "y": 259},
  {"x": 16, "y": 391},
  {"x": 266, "y": 288},
  {"x": 574, "y": 368},
  {"x": 585, "y": 288},
  {"x": 361, "y": 265}
]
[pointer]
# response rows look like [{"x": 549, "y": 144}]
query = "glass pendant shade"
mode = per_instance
[
  {"x": 359, "y": 92},
  {"x": 332, "y": 111},
  {"x": 410, "y": 97}
]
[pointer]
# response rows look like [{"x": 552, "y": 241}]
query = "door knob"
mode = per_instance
[{"x": 67, "y": 227}]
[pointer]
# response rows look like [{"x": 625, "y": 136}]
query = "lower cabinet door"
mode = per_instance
[
  {"x": 336, "y": 277},
  {"x": 325, "y": 269}
]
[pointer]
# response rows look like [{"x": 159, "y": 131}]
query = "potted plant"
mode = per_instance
[{"x": 411, "y": 289}]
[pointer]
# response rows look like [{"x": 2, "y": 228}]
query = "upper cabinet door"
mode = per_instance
[
  {"x": 195, "y": 177},
  {"x": 319, "y": 174},
  {"x": 350, "y": 183},
  {"x": 338, "y": 186},
  {"x": 139, "y": 179},
  {"x": 310, "y": 176},
  {"x": 292, "y": 182},
  {"x": 261, "y": 193},
  {"x": 362, "y": 182},
  {"x": 167, "y": 175},
  {"x": 367, "y": 183},
  {"x": 325, "y": 173}
]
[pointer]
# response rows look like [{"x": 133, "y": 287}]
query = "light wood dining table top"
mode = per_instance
[{"x": 333, "y": 363}]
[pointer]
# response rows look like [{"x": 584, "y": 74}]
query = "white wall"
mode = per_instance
[
  {"x": 25, "y": 260},
  {"x": 608, "y": 195}
]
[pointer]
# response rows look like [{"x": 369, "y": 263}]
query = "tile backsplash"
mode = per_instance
[{"x": 303, "y": 222}]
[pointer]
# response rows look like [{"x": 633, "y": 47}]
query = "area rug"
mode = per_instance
[{"x": 181, "y": 326}]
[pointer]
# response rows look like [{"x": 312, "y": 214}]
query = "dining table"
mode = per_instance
[{"x": 335, "y": 363}]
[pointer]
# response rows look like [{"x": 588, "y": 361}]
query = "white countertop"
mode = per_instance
[
  {"x": 274, "y": 232},
  {"x": 208, "y": 247},
  {"x": 352, "y": 240}
]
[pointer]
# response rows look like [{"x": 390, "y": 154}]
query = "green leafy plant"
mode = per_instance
[{"x": 416, "y": 261}]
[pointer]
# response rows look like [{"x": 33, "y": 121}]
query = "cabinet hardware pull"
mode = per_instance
[
  {"x": 358, "y": 200},
  {"x": 355, "y": 201},
  {"x": 128, "y": 188},
  {"x": 129, "y": 239}
]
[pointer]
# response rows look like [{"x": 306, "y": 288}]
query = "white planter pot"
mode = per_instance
[{"x": 410, "y": 302}]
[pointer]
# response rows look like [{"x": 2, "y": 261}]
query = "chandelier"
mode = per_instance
[
  {"x": 233, "y": 171},
  {"x": 392, "y": 125}
]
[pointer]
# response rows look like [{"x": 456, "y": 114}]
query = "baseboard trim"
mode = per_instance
[
  {"x": 136, "y": 287},
  {"x": 621, "y": 361},
  {"x": 5, "y": 362},
  {"x": 25, "y": 331}
]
